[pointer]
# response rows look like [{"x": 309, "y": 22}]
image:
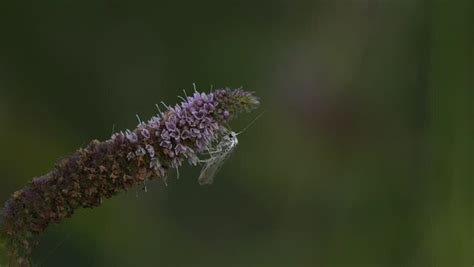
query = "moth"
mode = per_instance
[{"x": 218, "y": 156}]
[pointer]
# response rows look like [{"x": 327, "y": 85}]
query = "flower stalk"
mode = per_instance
[{"x": 103, "y": 169}]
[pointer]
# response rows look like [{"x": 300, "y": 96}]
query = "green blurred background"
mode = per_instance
[{"x": 364, "y": 157}]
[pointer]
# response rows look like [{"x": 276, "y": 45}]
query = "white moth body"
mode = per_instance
[{"x": 218, "y": 155}]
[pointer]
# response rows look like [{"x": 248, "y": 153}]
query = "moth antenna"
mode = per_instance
[
  {"x": 229, "y": 129},
  {"x": 252, "y": 122}
]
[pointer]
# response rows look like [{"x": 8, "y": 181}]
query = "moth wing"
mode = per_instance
[{"x": 209, "y": 170}]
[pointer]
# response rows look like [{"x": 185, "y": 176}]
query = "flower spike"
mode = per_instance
[{"x": 103, "y": 169}]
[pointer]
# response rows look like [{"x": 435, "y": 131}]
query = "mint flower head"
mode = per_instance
[{"x": 102, "y": 169}]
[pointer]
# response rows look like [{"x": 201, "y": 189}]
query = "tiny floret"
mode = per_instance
[
  {"x": 131, "y": 136},
  {"x": 151, "y": 150}
]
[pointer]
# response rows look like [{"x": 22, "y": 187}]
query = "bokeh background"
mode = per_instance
[{"x": 363, "y": 158}]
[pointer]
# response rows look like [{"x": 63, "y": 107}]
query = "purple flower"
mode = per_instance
[
  {"x": 131, "y": 136},
  {"x": 151, "y": 150},
  {"x": 154, "y": 122},
  {"x": 40, "y": 181},
  {"x": 145, "y": 133}
]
